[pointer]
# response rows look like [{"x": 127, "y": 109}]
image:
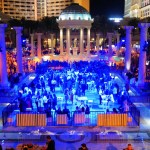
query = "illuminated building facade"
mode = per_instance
[
  {"x": 145, "y": 8},
  {"x": 51, "y": 7},
  {"x": 18, "y": 9},
  {"x": 127, "y": 7},
  {"x": 37, "y": 9},
  {"x": 137, "y": 8}
]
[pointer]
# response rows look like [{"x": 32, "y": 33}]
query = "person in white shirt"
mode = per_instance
[
  {"x": 100, "y": 91},
  {"x": 40, "y": 104},
  {"x": 45, "y": 102},
  {"x": 34, "y": 106},
  {"x": 114, "y": 93}
]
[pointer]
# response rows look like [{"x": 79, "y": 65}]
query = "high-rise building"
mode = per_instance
[
  {"x": 145, "y": 8},
  {"x": 137, "y": 8},
  {"x": 18, "y": 8},
  {"x": 55, "y": 7},
  {"x": 127, "y": 7},
  {"x": 37, "y": 9},
  {"x": 51, "y": 7}
]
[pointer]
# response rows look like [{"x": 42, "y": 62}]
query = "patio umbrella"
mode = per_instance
[{"x": 115, "y": 59}]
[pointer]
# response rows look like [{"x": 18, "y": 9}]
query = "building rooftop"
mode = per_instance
[{"x": 75, "y": 12}]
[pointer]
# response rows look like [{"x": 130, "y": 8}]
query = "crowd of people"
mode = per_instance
[
  {"x": 51, "y": 145},
  {"x": 29, "y": 65},
  {"x": 73, "y": 79}
]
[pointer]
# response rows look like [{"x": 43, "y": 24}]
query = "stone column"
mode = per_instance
[
  {"x": 75, "y": 47},
  {"x": 32, "y": 45},
  {"x": 118, "y": 40},
  {"x": 61, "y": 41},
  {"x": 110, "y": 44},
  {"x": 68, "y": 42},
  {"x": 142, "y": 57},
  {"x": 3, "y": 64},
  {"x": 52, "y": 42},
  {"x": 19, "y": 49},
  {"x": 88, "y": 40},
  {"x": 128, "y": 48},
  {"x": 97, "y": 41},
  {"x": 39, "y": 54},
  {"x": 81, "y": 40}
]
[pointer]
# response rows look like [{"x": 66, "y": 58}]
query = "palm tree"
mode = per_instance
[
  {"x": 49, "y": 25},
  {"x": 29, "y": 26},
  {"x": 14, "y": 22},
  {"x": 134, "y": 22},
  {"x": 102, "y": 25}
]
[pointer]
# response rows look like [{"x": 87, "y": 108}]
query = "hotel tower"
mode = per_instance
[{"x": 37, "y": 9}]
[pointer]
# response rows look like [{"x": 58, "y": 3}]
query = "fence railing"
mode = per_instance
[
  {"x": 8, "y": 111},
  {"x": 134, "y": 112},
  {"x": 95, "y": 118},
  {"x": 140, "y": 99}
]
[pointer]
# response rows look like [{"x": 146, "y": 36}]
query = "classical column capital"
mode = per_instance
[
  {"x": 98, "y": 34},
  {"x": 52, "y": 34},
  {"x": 2, "y": 28},
  {"x": 128, "y": 27},
  {"x": 32, "y": 34},
  {"x": 109, "y": 34},
  {"x": 89, "y": 28},
  {"x": 117, "y": 34},
  {"x": 81, "y": 28},
  {"x": 3, "y": 25},
  {"x": 18, "y": 29},
  {"x": 61, "y": 28},
  {"x": 144, "y": 25},
  {"x": 39, "y": 34},
  {"x": 68, "y": 28}
]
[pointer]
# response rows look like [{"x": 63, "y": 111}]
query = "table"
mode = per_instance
[
  {"x": 91, "y": 85},
  {"x": 106, "y": 97},
  {"x": 82, "y": 98}
]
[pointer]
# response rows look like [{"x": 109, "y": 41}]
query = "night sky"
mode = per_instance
[{"x": 109, "y": 8}]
